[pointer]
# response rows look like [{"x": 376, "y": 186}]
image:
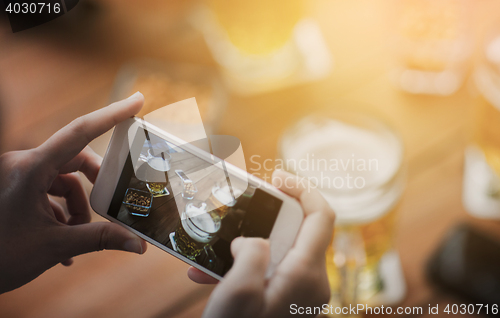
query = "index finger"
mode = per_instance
[
  {"x": 69, "y": 141},
  {"x": 317, "y": 229},
  {"x": 310, "y": 198}
]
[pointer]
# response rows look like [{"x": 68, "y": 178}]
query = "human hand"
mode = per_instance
[
  {"x": 300, "y": 278},
  {"x": 35, "y": 232}
]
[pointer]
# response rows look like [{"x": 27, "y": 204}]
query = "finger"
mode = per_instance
[
  {"x": 241, "y": 292},
  {"x": 251, "y": 258},
  {"x": 317, "y": 228},
  {"x": 297, "y": 187},
  {"x": 70, "y": 187},
  {"x": 289, "y": 183},
  {"x": 90, "y": 237},
  {"x": 61, "y": 217},
  {"x": 314, "y": 236},
  {"x": 58, "y": 211},
  {"x": 68, "y": 142},
  {"x": 87, "y": 161},
  {"x": 200, "y": 277}
]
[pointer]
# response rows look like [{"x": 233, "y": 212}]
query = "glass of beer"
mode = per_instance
[
  {"x": 222, "y": 198},
  {"x": 159, "y": 164},
  {"x": 196, "y": 229},
  {"x": 481, "y": 185},
  {"x": 357, "y": 164},
  {"x": 252, "y": 39}
]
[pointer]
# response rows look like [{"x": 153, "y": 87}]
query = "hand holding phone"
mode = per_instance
[
  {"x": 44, "y": 236},
  {"x": 35, "y": 232},
  {"x": 300, "y": 278},
  {"x": 188, "y": 202}
]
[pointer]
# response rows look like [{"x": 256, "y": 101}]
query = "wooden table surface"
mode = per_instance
[{"x": 52, "y": 74}]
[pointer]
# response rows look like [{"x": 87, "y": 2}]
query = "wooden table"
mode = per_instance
[{"x": 66, "y": 68}]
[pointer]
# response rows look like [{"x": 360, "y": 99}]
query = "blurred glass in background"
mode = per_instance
[
  {"x": 481, "y": 188},
  {"x": 356, "y": 161},
  {"x": 432, "y": 46},
  {"x": 263, "y": 45},
  {"x": 164, "y": 83}
]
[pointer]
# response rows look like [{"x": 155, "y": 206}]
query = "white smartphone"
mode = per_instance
[{"x": 188, "y": 202}]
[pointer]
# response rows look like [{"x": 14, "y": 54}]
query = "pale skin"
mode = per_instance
[
  {"x": 299, "y": 279},
  {"x": 37, "y": 234}
]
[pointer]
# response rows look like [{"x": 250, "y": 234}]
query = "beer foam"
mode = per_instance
[
  {"x": 349, "y": 152},
  {"x": 193, "y": 211},
  {"x": 159, "y": 164},
  {"x": 200, "y": 227},
  {"x": 224, "y": 196}
]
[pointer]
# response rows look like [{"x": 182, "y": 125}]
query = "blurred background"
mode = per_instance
[{"x": 429, "y": 70}]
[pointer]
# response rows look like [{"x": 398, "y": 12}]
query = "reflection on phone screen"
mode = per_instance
[{"x": 189, "y": 205}]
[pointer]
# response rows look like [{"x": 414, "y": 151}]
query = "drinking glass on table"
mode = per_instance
[
  {"x": 432, "y": 45},
  {"x": 156, "y": 181},
  {"x": 223, "y": 197},
  {"x": 357, "y": 164},
  {"x": 189, "y": 190},
  {"x": 263, "y": 45},
  {"x": 196, "y": 229}
]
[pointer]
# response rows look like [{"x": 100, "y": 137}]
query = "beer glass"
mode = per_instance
[
  {"x": 257, "y": 27},
  {"x": 196, "y": 229},
  {"x": 222, "y": 198},
  {"x": 156, "y": 180},
  {"x": 254, "y": 41},
  {"x": 481, "y": 185},
  {"x": 432, "y": 45},
  {"x": 357, "y": 164}
]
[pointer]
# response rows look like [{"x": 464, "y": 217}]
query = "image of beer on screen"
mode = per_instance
[{"x": 191, "y": 206}]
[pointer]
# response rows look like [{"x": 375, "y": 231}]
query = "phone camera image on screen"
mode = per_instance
[{"x": 192, "y": 206}]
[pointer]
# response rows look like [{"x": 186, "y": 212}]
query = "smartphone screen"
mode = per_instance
[{"x": 192, "y": 206}]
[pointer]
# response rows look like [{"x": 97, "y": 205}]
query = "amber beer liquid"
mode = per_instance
[
  {"x": 362, "y": 181},
  {"x": 222, "y": 199},
  {"x": 196, "y": 230},
  {"x": 257, "y": 27},
  {"x": 254, "y": 41},
  {"x": 156, "y": 180},
  {"x": 377, "y": 238}
]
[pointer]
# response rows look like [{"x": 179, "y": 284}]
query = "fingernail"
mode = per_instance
[
  {"x": 135, "y": 95},
  {"x": 133, "y": 246}
]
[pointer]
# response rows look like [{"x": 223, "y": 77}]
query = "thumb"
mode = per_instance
[
  {"x": 241, "y": 292},
  {"x": 91, "y": 237},
  {"x": 251, "y": 258}
]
